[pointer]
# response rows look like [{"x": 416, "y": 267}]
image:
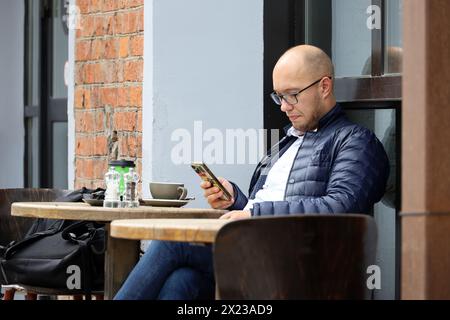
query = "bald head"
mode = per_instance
[
  {"x": 307, "y": 61},
  {"x": 302, "y": 75}
]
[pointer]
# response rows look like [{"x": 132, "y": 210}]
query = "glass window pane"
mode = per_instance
[
  {"x": 35, "y": 53},
  {"x": 351, "y": 39},
  {"x": 32, "y": 152},
  {"x": 60, "y": 50},
  {"x": 32, "y": 54},
  {"x": 383, "y": 124},
  {"x": 60, "y": 157},
  {"x": 393, "y": 33},
  {"x": 345, "y": 21},
  {"x": 35, "y": 153}
]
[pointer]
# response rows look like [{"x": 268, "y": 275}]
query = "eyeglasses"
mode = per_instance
[{"x": 292, "y": 98}]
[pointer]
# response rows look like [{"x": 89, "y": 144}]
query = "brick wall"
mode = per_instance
[{"x": 108, "y": 87}]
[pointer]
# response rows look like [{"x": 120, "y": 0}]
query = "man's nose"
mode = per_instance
[{"x": 285, "y": 106}]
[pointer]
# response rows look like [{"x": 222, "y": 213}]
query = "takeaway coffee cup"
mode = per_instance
[{"x": 168, "y": 190}]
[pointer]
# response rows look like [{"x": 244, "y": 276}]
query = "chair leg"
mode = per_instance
[
  {"x": 30, "y": 296},
  {"x": 99, "y": 297},
  {"x": 9, "y": 294}
]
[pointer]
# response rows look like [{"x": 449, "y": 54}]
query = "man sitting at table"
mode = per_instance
[{"x": 325, "y": 164}]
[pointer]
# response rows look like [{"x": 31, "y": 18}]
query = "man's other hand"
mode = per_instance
[
  {"x": 236, "y": 215},
  {"x": 213, "y": 194}
]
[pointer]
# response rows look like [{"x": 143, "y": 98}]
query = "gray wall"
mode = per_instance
[
  {"x": 11, "y": 93},
  {"x": 203, "y": 62}
]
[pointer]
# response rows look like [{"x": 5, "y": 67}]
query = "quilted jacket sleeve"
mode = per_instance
[
  {"x": 240, "y": 200},
  {"x": 357, "y": 180}
]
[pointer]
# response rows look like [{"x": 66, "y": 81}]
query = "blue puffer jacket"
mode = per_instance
[{"x": 340, "y": 168}]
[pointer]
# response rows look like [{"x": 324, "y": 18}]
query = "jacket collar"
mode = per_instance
[
  {"x": 325, "y": 120},
  {"x": 332, "y": 115}
]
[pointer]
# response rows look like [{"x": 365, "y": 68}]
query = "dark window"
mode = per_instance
[
  {"x": 46, "y": 52},
  {"x": 363, "y": 37}
]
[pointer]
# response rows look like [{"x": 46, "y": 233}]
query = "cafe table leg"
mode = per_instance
[{"x": 121, "y": 256}]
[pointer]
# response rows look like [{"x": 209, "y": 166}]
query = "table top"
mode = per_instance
[
  {"x": 83, "y": 211},
  {"x": 186, "y": 230}
]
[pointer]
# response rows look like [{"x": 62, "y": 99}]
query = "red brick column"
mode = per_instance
[{"x": 108, "y": 87}]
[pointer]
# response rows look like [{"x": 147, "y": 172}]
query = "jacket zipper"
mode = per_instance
[{"x": 290, "y": 171}]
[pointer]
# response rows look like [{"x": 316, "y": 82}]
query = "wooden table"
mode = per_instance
[
  {"x": 187, "y": 230},
  {"x": 121, "y": 255}
]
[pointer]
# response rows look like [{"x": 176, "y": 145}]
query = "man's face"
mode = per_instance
[{"x": 306, "y": 113}]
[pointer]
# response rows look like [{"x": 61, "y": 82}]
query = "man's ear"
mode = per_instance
[{"x": 326, "y": 87}]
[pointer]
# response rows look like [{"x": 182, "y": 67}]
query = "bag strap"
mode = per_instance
[
  {"x": 81, "y": 230},
  {"x": 85, "y": 261}
]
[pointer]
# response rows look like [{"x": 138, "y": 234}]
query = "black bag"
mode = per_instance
[
  {"x": 53, "y": 252},
  {"x": 51, "y": 257}
]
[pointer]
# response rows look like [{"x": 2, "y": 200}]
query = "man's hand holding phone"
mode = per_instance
[{"x": 213, "y": 194}]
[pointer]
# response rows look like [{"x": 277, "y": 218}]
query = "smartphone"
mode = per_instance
[{"x": 206, "y": 175}]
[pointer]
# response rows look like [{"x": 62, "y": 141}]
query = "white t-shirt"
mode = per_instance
[{"x": 275, "y": 186}]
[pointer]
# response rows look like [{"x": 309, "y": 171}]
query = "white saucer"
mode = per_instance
[{"x": 163, "y": 202}]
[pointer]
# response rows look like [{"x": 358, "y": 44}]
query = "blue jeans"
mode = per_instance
[{"x": 171, "y": 271}]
